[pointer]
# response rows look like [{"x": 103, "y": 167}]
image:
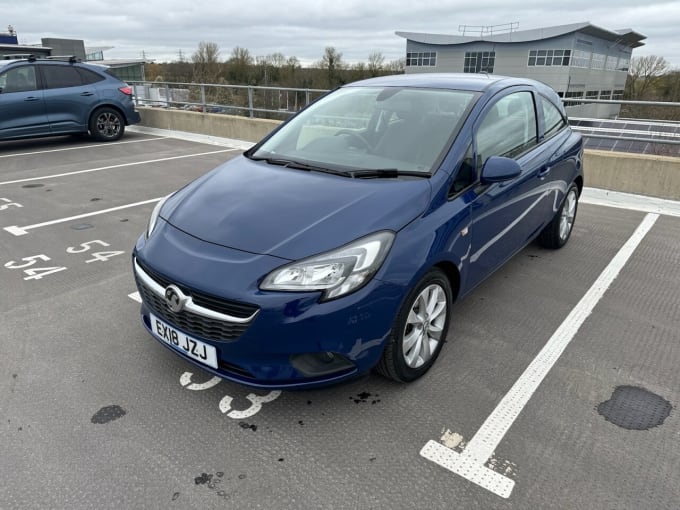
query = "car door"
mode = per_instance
[
  {"x": 68, "y": 100},
  {"x": 507, "y": 215},
  {"x": 22, "y": 108}
]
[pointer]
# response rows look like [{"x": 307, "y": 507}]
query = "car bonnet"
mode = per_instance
[{"x": 291, "y": 213}]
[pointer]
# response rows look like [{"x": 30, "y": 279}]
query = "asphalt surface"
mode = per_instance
[{"x": 94, "y": 413}]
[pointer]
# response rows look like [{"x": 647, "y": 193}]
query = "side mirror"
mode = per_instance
[{"x": 499, "y": 169}]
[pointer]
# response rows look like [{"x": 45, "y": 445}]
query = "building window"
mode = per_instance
[
  {"x": 610, "y": 63},
  {"x": 581, "y": 59},
  {"x": 479, "y": 61},
  {"x": 421, "y": 58},
  {"x": 598, "y": 61},
  {"x": 618, "y": 94},
  {"x": 549, "y": 58},
  {"x": 606, "y": 94},
  {"x": 592, "y": 94},
  {"x": 624, "y": 63}
]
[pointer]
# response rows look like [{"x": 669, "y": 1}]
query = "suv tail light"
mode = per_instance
[{"x": 126, "y": 90}]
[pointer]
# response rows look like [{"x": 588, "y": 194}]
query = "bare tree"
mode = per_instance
[
  {"x": 644, "y": 74},
  {"x": 396, "y": 66},
  {"x": 376, "y": 63},
  {"x": 206, "y": 62},
  {"x": 358, "y": 71},
  {"x": 333, "y": 64},
  {"x": 240, "y": 63}
]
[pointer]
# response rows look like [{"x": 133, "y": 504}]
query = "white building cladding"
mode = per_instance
[{"x": 579, "y": 60}]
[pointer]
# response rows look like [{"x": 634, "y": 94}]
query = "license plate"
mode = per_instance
[{"x": 195, "y": 349}]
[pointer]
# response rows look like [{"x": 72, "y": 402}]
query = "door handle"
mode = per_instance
[
  {"x": 87, "y": 94},
  {"x": 31, "y": 98},
  {"x": 544, "y": 171}
]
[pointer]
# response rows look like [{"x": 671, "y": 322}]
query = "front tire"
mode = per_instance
[
  {"x": 107, "y": 125},
  {"x": 557, "y": 232},
  {"x": 420, "y": 329}
]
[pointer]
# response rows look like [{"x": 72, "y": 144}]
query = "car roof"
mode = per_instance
[{"x": 476, "y": 82}]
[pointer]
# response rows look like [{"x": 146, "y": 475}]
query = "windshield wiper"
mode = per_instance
[
  {"x": 290, "y": 163},
  {"x": 386, "y": 173}
]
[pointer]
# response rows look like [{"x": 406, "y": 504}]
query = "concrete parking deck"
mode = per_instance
[{"x": 534, "y": 402}]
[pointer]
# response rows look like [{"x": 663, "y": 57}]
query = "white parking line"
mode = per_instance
[
  {"x": 193, "y": 137},
  {"x": 629, "y": 201},
  {"x": 110, "y": 167},
  {"x": 20, "y": 231},
  {"x": 80, "y": 147},
  {"x": 470, "y": 463},
  {"x": 135, "y": 297}
]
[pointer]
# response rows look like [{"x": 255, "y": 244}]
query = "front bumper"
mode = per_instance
[{"x": 263, "y": 339}]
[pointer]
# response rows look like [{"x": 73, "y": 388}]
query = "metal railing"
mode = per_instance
[
  {"x": 626, "y": 126},
  {"x": 246, "y": 100}
]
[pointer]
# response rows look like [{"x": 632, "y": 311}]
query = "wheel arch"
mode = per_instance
[
  {"x": 452, "y": 274},
  {"x": 113, "y": 106},
  {"x": 579, "y": 183}
]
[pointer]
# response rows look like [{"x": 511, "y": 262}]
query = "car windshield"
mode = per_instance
[{"x": 383, "y": 129}]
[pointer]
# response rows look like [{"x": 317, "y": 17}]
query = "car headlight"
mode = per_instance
[
  {"x": 154, "y": 215},
  {"x": 337, "y": 272}
]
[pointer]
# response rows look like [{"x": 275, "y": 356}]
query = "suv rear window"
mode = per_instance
[
  {"x": 89, "y": 76},
  {"x": 57, "y": 77}
]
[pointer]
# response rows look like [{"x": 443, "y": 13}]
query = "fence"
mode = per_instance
[
  {"x": 630, "y": 129},
  {"x": 250, "y": 101}
]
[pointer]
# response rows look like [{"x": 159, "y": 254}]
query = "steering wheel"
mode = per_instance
[{"x": 355, "y": 137}]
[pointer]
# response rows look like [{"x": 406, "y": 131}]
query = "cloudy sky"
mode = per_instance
[{"x": 159, "y": 29}]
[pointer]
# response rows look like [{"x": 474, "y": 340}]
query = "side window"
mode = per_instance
[
  {"x": 554, "y": 121},
  {"x": 509, "y": 127},
  {"x": 18, "y": 79},
  {"x": 58, "y": 76},
  {"x": 89, "y": 76}
]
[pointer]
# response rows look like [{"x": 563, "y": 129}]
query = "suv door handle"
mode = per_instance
[
  {"x": 87, "y": 94},
  {"x": 544, "y": 171},
  {"x": 31, "y": 98}
]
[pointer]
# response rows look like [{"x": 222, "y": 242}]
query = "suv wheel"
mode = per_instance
[{"x": 107, "y": 124}]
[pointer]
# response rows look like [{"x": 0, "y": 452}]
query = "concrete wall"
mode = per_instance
[
  {"x": 656, "y": 176},
  {"x": 214, "y": 124}
]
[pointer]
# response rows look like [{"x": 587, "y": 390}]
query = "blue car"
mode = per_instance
[
  {"x": 48, "y": 97},
  {"x": 339, "y": 243}
]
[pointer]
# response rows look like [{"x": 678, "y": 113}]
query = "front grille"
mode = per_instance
[
  {"x": 189, "y": 322},
  {"x": 233, "y": 308}
]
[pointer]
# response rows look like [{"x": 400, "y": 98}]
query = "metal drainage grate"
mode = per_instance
[{"x": 635, "y": 408}]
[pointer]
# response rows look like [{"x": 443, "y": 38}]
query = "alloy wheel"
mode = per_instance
[
  {"x": 568, "y": 214},
  {"x": 424, "y": 326}
]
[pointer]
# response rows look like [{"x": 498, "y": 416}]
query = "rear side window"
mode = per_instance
[
  {"x": 57, "y": 77},
  {"x": 554, "y": 121},
  {"x": 89, "y": 76}
]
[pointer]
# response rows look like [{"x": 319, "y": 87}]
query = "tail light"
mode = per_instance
[{"x": 127, "y": 90}]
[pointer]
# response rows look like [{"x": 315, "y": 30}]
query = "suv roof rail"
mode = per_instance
[
  {"x": 71, "y": 59},
  {"x": 16, "y": 56}
]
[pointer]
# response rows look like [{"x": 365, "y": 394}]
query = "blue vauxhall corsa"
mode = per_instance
[{"x": 339, "y": 243}]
